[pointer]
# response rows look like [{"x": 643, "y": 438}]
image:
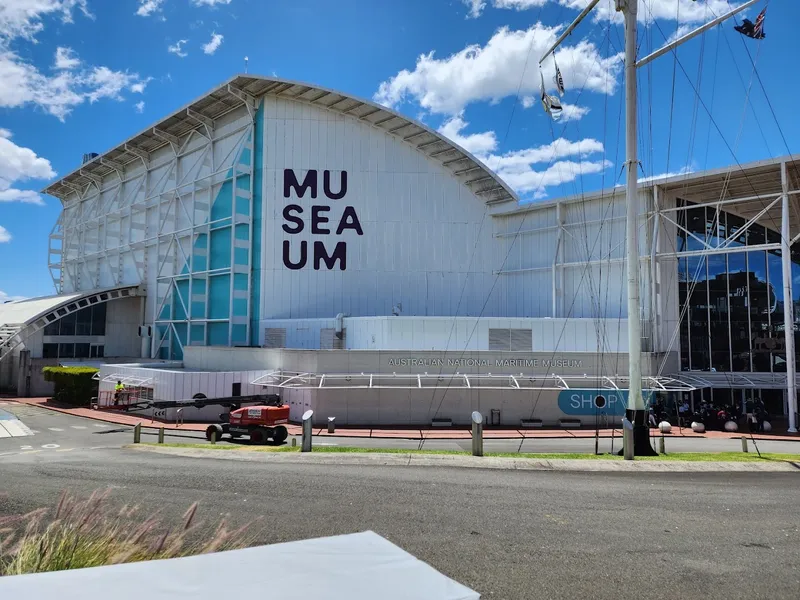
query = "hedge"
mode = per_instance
[{"x": 73, "y": 385}]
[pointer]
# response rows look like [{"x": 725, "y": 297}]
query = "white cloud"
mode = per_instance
[
  {"x": 476, "y": 143},
  {"x": 210, "y": 2},
  {"x": 139, "y": 106},
  {"x": 177, "y": 48},
  {"x": 569, "y": 112},
  {"x": 214, "y": 43},
  {"x": 21, "y": 83},
  {"x": 6, "y": 297},
  {"x": 20, "y": 164},
  {"x": 493, "y": 71},
  {"x": 148, "y": 7},
  {"x": 65, "y": 58},
  {"x": 138, "y": 87},
  {"x": 475, "y": 7},
  {"x": 23, "y": 18},
  {"x": 5, "y": 236}
]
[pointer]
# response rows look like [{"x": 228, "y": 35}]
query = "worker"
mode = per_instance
[{"x": 118, "y": 389}]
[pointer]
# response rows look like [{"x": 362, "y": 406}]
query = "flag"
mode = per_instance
[
  {"x": 753, "y": 30},
  {"x": 559, "y": 81}
]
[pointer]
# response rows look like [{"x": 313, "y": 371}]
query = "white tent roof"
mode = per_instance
[{"x": 20, "y": 312}]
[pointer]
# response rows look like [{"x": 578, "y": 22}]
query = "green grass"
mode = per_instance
[{"x": 677, "y": 456}]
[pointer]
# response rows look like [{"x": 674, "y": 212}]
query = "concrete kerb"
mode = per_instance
[{"x": 486, "y": 462}]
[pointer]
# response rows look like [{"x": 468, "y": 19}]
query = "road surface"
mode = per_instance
[{"x": 507, "y": 534}]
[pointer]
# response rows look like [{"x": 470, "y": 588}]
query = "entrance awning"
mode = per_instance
[
  {"x": 488, "y": 381},
  {"x": 728, "y": 380}
]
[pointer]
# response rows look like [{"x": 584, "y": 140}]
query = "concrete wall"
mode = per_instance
[{"x": 123, "y": 318}]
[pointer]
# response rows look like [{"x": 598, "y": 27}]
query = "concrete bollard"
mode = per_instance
[
  {"x": 213, "y": 439},
  {"x": 477, "y": 434},
  {"x": 331, "y": 424},
  {"x": 160, "y": 435},
  {"x": 627, "y": 439},
  {"x": 307, "y": 431},
  {"x": 294, "y": 442},
  {"x": 744, "y": 445},
  {"x": 137, "y": 433},
  {"x": 661, "y": 445}
]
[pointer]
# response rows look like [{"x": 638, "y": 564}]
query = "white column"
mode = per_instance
[
  {"x": 788, "y": 308},
  {"x": 635, "y": 400}
]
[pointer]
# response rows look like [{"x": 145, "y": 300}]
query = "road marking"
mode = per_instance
[
  {"x": 100, "y": 447},
  {"x": 324, "y": 444},
  {"x": 99, "y": 425},
  {"x": 65, "y": 450},
  {"x": 14, "y": 428},
  {"x": 77, "y": 426},
  {"x": 50, "y": 446},
  {"x": 55, "y": 429},
  {"x": 30, "y": 452},
  {"x": 26, "y": 447}
]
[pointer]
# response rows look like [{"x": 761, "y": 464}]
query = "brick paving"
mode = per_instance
[{"x": 428, "y": 433}]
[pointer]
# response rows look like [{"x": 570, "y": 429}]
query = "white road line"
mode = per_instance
[
  {"x": 65, "y": 450},
  {"x": 101, "y": 425},
  {"x": 55, "y": 429},
  {"x": 50, "y": 446},
  {"x": 3, "y": 432},
  {"x": 15, "y": 428},
  {"x": 100, "y": 447},
  {"x": 78, "y": 426},
  {"x": 26, "y": 447},
  {"x": 324, "y": 444}
]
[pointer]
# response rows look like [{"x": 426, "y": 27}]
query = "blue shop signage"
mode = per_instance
[{"x": 592, "y": 402}]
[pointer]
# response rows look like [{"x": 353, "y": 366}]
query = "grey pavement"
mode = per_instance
[{"x": 507, "y": 534}]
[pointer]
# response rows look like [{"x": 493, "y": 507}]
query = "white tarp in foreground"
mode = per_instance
[{"x": 346, "y": 567}]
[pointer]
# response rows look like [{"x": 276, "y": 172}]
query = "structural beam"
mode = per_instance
[
  {"x": 788, "y": 301},
  {"x": 569, "y": 29}
]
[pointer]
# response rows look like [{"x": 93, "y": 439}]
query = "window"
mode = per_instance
[
  {"x": 99, "y": 319},
  {"x": 81, "y": 350},
  {"x": 49, "y": 350},
  {"x": 514, "y": 340},
  {"x": 66, "y": 351},
  {"x": 83, "y": 321},
  {"x": 236, "y": 389},
  {"x": 96, "y": 351},
  {"x": 52, "y": 328},
  {"x": 68, "y": 324}
]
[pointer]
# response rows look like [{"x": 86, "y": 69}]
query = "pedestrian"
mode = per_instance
[{"x": 118, "y": 390}]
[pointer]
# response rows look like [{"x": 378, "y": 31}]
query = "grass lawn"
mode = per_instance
[{"x": 679, "y": 456}]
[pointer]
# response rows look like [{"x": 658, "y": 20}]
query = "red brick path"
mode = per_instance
[{"x": 427, "y": 433}]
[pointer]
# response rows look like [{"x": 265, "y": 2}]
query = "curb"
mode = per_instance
[{"x": 486, "y": 462}]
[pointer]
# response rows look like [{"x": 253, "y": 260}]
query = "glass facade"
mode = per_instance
[
  {"x": 732, "y": 304},
  {"x": 89, "y": 321}
]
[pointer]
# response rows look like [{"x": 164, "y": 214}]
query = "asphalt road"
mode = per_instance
[{"x": 507, "y": 534}]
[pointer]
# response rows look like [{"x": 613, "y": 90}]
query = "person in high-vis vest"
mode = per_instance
[{"x": 118, "y": 389}]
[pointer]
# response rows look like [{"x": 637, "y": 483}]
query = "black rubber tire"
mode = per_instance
[
  {"x": 268, "y": 432},
  {"x": 280, "y": 435},
  {"x": 211, "y": 429},
  {"x": 258, "y": 435}
]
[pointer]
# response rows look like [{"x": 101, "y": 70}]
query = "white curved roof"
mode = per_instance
[{"x": 244, "y": 89}]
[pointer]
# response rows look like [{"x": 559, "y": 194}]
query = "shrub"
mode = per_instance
[
  {"x": 73, "y": 385},
  {"x": 90, "y": 533}
]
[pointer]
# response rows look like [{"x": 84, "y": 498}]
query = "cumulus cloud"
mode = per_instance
[
  {"x": 65, "y": 58},
  {"x": 5, "y": 236},
  {"x": 7, "y": 297},
  {"x": 148, "y": 7},
  {"x": 24, "y": 18},
  {"x": 530, "y": 171},
  {"x": 475, "y": 7},
  {"x": 18, "y": 164},
  {"x": 139, "y": 106},
  {"x": 210, "y": 2},
  {"x": 492, "y": 72},
  {"x": 213, "y": 44},
  {"x": 177, "y": 48},
  {"x": 21, "y": 84}
]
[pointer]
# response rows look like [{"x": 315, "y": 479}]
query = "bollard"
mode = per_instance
[
  {"x": 744, "y": 445},
  {"x": 137, "y": 433},
  {"x": 307, "y": 431},
  {"x": 661, "y": 448},
  {"x": 213, "y": 439},
  {"x": 294, "y": 442},
  {"x": 331, "y": 424},
  {"x": 160, "y": 435},
  {"x": 477, "y": 434},
  {"x": 627, "y": 439}
]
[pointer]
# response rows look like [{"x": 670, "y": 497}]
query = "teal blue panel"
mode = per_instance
[
  {"x": 217, "y": 334},
  {"x": 181, "y": 330},
  {"x": 181, "y": 292},
  {"x": 220, "y": 250},
  {"x": 165, "y": 312},
  {"x": 577, "y": 402},
  {"x": 226, "y": 222},
  {"x": 198, "y": 306},
  {"x": 242, "y": 206},
  {"x": 221, "y": 207},
  {"x": 163, "y": 353},
  {"x": 242, "y": 232},
  {"x": 258, "y": 210},
  {"x": 244, "y": 159},
  {"x": 239, "y": 335},
  {"x": 201, "y": 241},
  {"x": 198, "y": 310},
  {"x": 241, "y": 256},
  {"x": 239, "y": 307},
  {"x": 219, "y": 297},
  {"x": 199, "y": 285},
  {"x": 200, "y": 263},
  {"x": 198, "y": 334},
  {"x": 240, "y": 282}
]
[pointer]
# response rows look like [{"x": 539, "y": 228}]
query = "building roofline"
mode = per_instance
[{"x": 239, "y": 89}]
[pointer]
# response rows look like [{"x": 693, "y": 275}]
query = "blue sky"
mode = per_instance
[{"x": 80, "y": 76}]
